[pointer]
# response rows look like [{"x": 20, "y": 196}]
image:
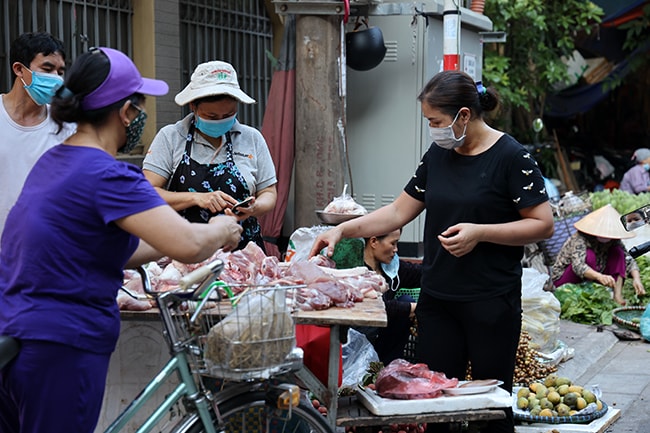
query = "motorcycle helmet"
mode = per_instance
[{"x": 365, "y": 48}]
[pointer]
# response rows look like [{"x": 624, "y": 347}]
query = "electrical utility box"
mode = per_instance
[{"x": 386, "y": 132}]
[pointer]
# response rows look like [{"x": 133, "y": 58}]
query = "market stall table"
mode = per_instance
[{"x": 370, "y": 312}]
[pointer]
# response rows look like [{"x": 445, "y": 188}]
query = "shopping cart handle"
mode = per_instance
[{"x": 212, "y": 269}]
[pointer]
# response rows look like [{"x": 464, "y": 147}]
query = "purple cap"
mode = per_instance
[{"x": 123, "y": 80}]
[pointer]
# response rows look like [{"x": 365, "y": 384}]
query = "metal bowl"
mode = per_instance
[{"x": 334, "y": 218}]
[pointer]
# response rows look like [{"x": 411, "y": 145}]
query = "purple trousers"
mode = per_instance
[
  {"x": 615, "y": 266},
  {"x": 52, "y": 388}
]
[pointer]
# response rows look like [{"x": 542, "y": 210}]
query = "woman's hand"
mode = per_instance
[
  {"x": 230, "y": 230},
  {"x": 460, "y": 239},
  {"x": 605, "y": 280},
  {"x": 215, "y": 201},
  {"x": 328, "y": 239},
  {"x": 638, "y": 286}
]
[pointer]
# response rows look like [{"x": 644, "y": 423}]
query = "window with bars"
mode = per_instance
[
  {"x": 235, "y": 31},
  {"x": 80, "y": 24}
]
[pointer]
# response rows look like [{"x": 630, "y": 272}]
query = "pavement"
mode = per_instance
[{"x": 620, "y": 368}]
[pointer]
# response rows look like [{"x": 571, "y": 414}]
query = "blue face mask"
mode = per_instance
[
  {"x": 215, "y": 128},
  {"x": 391, "y": 270},
  {"x": 43, "y": 86},
  {"x": 646, "y": 167}
]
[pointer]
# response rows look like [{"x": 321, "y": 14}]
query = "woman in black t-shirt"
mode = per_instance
[{"x": 485, "y": 199}]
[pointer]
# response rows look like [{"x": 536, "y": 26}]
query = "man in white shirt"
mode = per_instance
[{"x": 26, "y": 128}]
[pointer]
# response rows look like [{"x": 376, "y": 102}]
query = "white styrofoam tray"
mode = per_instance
[{"x": 445, "y": 403}]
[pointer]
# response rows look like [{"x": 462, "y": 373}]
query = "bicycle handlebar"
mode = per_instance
[
  {"x": 640, "y": 250},
  {"x": 202, "y": 274}
]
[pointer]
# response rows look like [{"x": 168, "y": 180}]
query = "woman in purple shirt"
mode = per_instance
[
  {"x": 637, "y": 178},
  {"x": 82, "y": 217}
]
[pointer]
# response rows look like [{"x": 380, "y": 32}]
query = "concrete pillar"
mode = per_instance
[{"x": 320, "y": 116}]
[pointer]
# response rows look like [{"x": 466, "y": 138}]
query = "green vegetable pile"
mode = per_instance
[
  {"x": 588, "y": 303},
  {"x": 592, "y": 304},
  {"x": 624, "y": 202}
]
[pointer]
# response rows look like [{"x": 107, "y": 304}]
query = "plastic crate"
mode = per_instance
[
  {"x": 414, "y": 293},
  {"x": 563, "y": 230},
  {"x": 411, "y": 346}
]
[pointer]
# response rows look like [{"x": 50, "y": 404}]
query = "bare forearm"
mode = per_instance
[
  {"x": 516, "y": 233},
  {"x": 145, "y": 253},
  {"x": 178, "y": 200}
]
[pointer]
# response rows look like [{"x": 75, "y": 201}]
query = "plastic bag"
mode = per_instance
[
  {"x": 258, "y": 333},
  {"x": 604, "y": 167},
  {"x": 358, "y": 353},
  {"x": 301, "y": 241},
  {"x": 345, "y": 204},
  {"x": 541, "y": 311}
]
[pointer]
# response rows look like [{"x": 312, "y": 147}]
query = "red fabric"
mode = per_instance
[
  {"x": 278, "y": 131},
  {"x": 315, "y": 342}
]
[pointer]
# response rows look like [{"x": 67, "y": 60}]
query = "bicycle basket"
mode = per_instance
[{"x": 255, "y": 333}]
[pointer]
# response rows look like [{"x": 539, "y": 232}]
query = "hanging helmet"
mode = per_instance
[{"x": 365, "y": 49}]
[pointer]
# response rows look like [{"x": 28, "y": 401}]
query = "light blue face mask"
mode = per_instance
[
  {"x": 391, "y": 270},
  {"x": 43, "y": 86},
  {"x": 215, "y": 128}
]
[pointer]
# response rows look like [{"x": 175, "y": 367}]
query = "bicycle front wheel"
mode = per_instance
[{"x": 247, "y": 413}]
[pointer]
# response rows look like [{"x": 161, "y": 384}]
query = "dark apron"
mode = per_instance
[{"x": 190, "y": 176}]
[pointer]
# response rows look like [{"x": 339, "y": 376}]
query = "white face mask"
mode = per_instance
[{"x": 445, "y": 137}]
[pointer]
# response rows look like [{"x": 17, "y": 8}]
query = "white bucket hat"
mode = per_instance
[{"x": 213, "y": 78}]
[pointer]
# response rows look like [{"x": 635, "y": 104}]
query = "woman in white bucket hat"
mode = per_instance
[
  {"x": 208, "y": 161},
  {"x": 595, "y": 253}
]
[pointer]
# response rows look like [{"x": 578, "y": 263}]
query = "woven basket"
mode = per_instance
[
  {"x": 624, "y": 315},
  {"x": 575, "y": 419}
]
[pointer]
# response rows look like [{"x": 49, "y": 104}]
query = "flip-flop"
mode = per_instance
[{"x": 624, "y": 334}]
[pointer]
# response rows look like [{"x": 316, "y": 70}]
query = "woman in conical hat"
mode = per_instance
[{"x": 595, "y": 253}]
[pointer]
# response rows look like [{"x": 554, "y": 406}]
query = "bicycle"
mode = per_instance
[{"x": 251, "y": 395}]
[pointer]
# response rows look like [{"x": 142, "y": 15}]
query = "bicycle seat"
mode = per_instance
[{"x": 9, "y": 348}]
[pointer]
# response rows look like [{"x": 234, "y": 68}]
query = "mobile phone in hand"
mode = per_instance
[{"x": 243, "y": 203}]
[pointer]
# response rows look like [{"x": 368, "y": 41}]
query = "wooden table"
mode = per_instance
[
  {"x": 370, "y": 312},
  {"x": 351, "y": 412}
]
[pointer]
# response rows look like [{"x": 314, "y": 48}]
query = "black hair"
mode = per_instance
[
  {"x": 28, "y": 45},
  {"x": 85, "y": 75},
  {"x": 214, "y": 98},
  {"x": 380, "y": 237},
  {"x": 449, "y": 91}
]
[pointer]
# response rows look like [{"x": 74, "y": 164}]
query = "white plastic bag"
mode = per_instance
[
  {"x": 345, "y": 204},
  {"x": 541, "y": 311},
  {"x": 301, "y": 241}
]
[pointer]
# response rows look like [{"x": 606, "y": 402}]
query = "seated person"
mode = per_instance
[
  {"x": 595, "y": 253},
  {"x": 637, "y": 178},
  {"x": 380, "y": 255}
]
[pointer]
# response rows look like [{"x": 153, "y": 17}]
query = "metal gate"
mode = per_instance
[
  {"x": 236, "y": 31},
  {"x": 80, "y": 24}
]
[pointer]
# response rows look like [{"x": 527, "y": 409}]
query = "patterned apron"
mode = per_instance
[{"x": 190, "y": 176}]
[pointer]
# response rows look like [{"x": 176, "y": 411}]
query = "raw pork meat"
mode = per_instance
[{"x": 405, "y": 381}]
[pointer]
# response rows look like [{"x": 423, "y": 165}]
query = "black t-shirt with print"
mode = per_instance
[{"x": 488, "y": 188}]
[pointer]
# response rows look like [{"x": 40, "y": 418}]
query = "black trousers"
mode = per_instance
[{"x": 484, "y": 333}]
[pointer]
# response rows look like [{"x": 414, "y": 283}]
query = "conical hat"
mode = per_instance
[{"x": 604, "y": 222}]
